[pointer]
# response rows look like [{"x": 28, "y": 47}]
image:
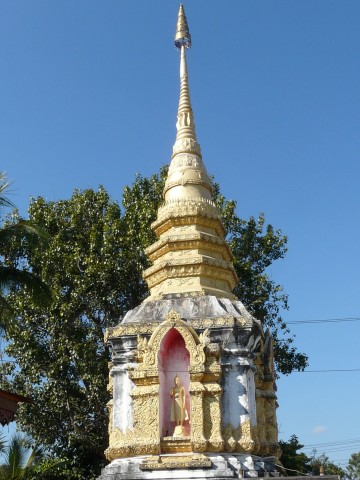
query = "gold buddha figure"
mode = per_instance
[{"x": 178, "y": 408}]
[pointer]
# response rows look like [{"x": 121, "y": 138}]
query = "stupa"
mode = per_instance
[{"x": 192, "y": 377}]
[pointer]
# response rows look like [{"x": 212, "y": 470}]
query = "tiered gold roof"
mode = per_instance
[{"x": 191, "y": 255}]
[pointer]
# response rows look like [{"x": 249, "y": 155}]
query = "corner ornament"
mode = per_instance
[{"x": 147, "y": 350}]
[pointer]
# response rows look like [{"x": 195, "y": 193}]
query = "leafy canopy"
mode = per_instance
[
  {"x": 295, "y": 462},
  {"x": 298, "y": 463},
  {"x": 353, "y": 468}
]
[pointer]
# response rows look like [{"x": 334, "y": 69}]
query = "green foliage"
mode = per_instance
[
  {"x": 62, "y": 361},
  {"x": 93, "y": 264},
  {"x": 298, "y": 463},
  {"x": 12, "y": 274},
  {"x": 353, "y": 468},
  {"x": 294, "y": 462},
  {"x": 20, "y": 456},
  {"x": 52, "y": 468},
  {"x": 328, "y": 467}
]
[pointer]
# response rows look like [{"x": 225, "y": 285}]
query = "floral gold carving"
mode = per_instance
[
  {"x": 197, "y": 417},
  {"x": 195, "y": 345},
  {"x": 129, "y": 329},
  {"x": 148, "y": 328},
  {"x": 144, "y": 437},
  {"x": 212, "y": 419},
  {"x": 195, "y": 207}
]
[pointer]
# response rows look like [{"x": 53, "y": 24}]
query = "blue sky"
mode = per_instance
[{"x": 88, "y": 96}]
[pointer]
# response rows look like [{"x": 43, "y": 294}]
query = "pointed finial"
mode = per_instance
[{"x": 182, "y": 35}]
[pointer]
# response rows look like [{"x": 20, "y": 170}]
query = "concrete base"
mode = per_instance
[{"x": 224, "y": 466}]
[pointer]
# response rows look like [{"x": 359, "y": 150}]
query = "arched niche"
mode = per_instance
[{"x": 173, "y": 359}]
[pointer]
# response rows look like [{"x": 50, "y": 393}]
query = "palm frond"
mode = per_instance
[
  {"x": 2, "y": 443},
  {"x": 4, "y": 185},
  {"x": 36, "y": 455},
  {"x": 12, "y": 277},
  {"x": 23, "y": 229},
  {"x": 15, "y": 458}
]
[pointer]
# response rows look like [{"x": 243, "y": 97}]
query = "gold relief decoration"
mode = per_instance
[
  {"x": 261, "y": 424},
  {"x": 213, "y": 388},
  {"x": 255, "y": 437},
  {"x": 193, "y": 344},
  {"x": 204, "y": 337},
  {"x": 158, "y": 462},
  {"x": 212, "y": 371},
  {"x": 213, "y": 351},
  {"x": 218, "y": 322},
  {"x": 246, "y": 441},
  {"x": 229, "y": 440},
  {"x": 130, "y": 443},
  {"x": 175, "y": 262},
  {"x": 212, "y": 419},
  {"x": 144, "y": 437},
  {"x": 129, "y": 329},
  {"x": 271, "y": 426},
  {"x": 148, "y": 328},
  {"x": 144, "y": 352},
  {"x": 189, "y": 222},
  {"x": 198, "y": 440},
  {"x": 110, "y": 385},
  {"x": 188, "y": 244},
  {"x": 239, "y": 439},
  {"x": 196, "y": 267},
  {"x": 231, "y": 437},
  {"x": 178, "y": 209}
]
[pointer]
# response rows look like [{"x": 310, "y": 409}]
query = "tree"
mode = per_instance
[
  {"x": 59, "y": 350},
  {"x": 294, "y": 462},
  {"x": 93, "y": 265},
  {"x": 322, "y": 462},
  {"x": 353, "y": 468},
  {"x": 298, "y": 463},
  {"x": 12, "y": 275},
  {"x": 19, "y": 458}
]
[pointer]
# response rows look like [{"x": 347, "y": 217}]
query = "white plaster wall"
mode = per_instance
[
  {"x": 123, "y": 403},
  {"x": 233, "y": 390},
  {"x": 251, "y": 396},
  {"x": 238, "y": 401}
]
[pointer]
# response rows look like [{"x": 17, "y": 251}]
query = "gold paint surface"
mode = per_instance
[{"x": 158, "y": 462}]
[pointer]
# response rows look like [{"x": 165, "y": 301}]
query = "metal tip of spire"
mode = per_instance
[{"x": 182, "y": 35}]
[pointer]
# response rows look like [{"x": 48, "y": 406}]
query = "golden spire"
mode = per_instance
[
  {"x": 185, "y": 123},
  {"x": 186, "y": 179},
  {"x": 191, "y": 256},
  {"x": 182, "y": 34}
]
